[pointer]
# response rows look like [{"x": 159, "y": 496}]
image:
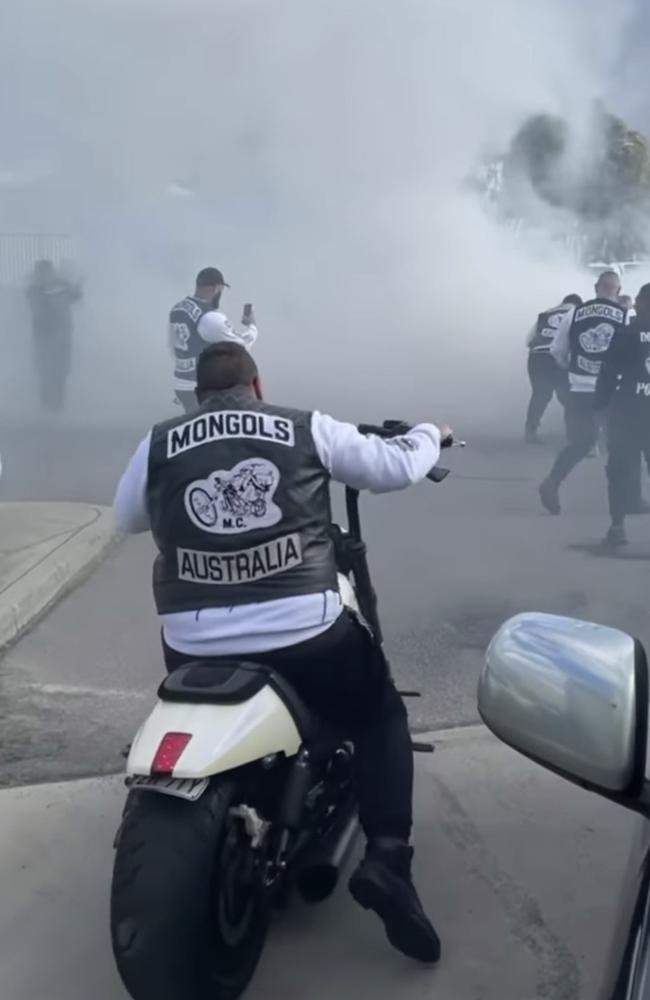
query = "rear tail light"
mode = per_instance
[{"x": 168, "y": 753}]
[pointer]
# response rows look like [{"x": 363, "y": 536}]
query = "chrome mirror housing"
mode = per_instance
[{"x": 572, "y": 696}]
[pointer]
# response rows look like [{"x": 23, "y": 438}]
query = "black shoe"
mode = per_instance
[
  {"x": 548, "y": 494},
  {"x": 383, "y": 883},
  {"x": 615, "y": 536}
]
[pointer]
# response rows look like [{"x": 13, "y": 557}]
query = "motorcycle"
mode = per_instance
[{"x": 237, "y": 797}]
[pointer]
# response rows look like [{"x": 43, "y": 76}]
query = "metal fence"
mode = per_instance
[{"x": 20, "y": 251}]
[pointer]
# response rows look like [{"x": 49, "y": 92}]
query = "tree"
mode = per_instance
[{"x": 599, "y": 176}]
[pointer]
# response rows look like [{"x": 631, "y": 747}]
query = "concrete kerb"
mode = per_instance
[{"x": 30, "y": 596}]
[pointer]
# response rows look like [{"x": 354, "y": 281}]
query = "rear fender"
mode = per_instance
[{"x": 222, "y": 737}]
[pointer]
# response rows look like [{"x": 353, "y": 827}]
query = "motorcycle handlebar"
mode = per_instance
[{"x": 399, "y": 428}]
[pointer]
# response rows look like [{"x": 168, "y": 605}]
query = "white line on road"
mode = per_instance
[{"x": 73, "y": 689}]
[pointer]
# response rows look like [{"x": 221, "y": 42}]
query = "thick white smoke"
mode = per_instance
[{"x": 315, "y": 151}]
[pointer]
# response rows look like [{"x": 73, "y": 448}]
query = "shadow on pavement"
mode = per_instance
[{"x": 620, "y": 554}]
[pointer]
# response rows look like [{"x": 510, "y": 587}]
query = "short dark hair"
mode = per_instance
[
  {"x": 644, "y": 293},
  {"x": 223, "y": 366},
  {"x": 572, "y": 300},
  {"x": 209, "y": 277}
]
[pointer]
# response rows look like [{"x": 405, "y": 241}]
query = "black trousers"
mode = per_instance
[
  {"x": 627, "y": 443},
  {"x": 581, "y": 432},
  {"x": 52, "y": 361},
  {"x": 546, "y": 378},
  {"x": 341, "y": 677}
]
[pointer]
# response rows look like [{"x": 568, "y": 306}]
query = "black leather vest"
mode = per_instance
[
  {"x": 184, "y": 321},
  {"x": 239, "y": 506},
  {"x": 594, "y": 324},
  {"x": 633, "y": 394},
  {"x": 547, "y": 324}
]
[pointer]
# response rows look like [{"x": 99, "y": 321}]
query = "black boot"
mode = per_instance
[
  {"x": 550, "y": 497},
  {"x": 616, "y": 536},
  {"x": 383, "y": 883}
]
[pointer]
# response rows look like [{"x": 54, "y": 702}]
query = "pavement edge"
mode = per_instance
[{"x": 59, "y": 573}]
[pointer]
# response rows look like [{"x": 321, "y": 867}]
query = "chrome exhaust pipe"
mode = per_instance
[{"x": 319, "y": 873}]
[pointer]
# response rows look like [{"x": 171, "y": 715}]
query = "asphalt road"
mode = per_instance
[{"x": 450, "y": 562}]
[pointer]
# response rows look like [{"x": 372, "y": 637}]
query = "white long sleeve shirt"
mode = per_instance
[
  {"x": 560, "y": 346},
  {"x": 213, "y": 327},
  {"x": 351, "y": 458}
]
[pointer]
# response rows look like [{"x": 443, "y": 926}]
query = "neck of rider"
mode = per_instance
[{"x": 253, "y": 390}]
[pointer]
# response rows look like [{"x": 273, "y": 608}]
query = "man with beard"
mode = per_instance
[
  {"x": 579, "y": 347},
  {"x": 197, "y": 321},
  {"x": 546, "y": 377},
  {"x": 624, "y": 386}
]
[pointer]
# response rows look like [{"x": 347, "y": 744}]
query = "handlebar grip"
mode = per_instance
[
  {"x": 389, "y": 429},
  {"x": 437, "y": 474}
]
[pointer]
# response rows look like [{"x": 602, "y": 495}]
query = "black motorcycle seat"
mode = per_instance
[{"x": 232, "y": 682}]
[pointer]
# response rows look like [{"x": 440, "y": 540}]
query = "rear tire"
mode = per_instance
[{"x": 187, "y": 919}]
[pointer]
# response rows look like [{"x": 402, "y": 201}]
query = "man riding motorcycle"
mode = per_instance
[{"x": 272, "y": 596}]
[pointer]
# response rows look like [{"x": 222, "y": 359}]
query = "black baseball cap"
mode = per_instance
[{"x": 210, "y": 276}]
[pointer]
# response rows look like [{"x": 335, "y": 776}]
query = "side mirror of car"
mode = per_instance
[{"x": 572, "y": 696}]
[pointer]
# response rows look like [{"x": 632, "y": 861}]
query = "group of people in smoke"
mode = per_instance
[{"x": 595, "y": 357}]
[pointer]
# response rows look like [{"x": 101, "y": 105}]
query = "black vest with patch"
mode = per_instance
[
  {"x": 633, "y": 394},
  {"x": 184, "y": 321},
  {"x": 239, "y": 506},
  {"x": 594, "y": 324},
  {"x": 547, "y": 324}
]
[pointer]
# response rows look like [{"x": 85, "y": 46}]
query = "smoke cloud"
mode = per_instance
[{"x": 316, "y": 152}]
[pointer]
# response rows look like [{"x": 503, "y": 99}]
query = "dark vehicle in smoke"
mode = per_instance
[
  {"x": 573, "y": 697},
  {"x": 237, "y": 794}
]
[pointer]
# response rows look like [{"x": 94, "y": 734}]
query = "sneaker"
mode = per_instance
[
  {"x": 383, "y": 883},
  {"x": 615, "y": 536},
  {"x": 548, "y": 494}
]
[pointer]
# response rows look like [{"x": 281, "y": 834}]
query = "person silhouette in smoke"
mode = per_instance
[
  {"x": 546, "y": 377},
  {"x": 624, "y": 386},
  {"x": 636, "y": 504},
  {"x": 50, "y": 297},
  {"x": 579, "y": 347}
]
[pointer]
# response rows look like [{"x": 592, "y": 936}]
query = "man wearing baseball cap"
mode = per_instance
[{"x": 197, "y": 321}]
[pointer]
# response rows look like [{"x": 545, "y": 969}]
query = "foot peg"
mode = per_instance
[{"x": 409, "y": 694}]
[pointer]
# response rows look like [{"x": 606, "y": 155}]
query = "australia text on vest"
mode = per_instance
[{"x": 244, "y": 566}]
